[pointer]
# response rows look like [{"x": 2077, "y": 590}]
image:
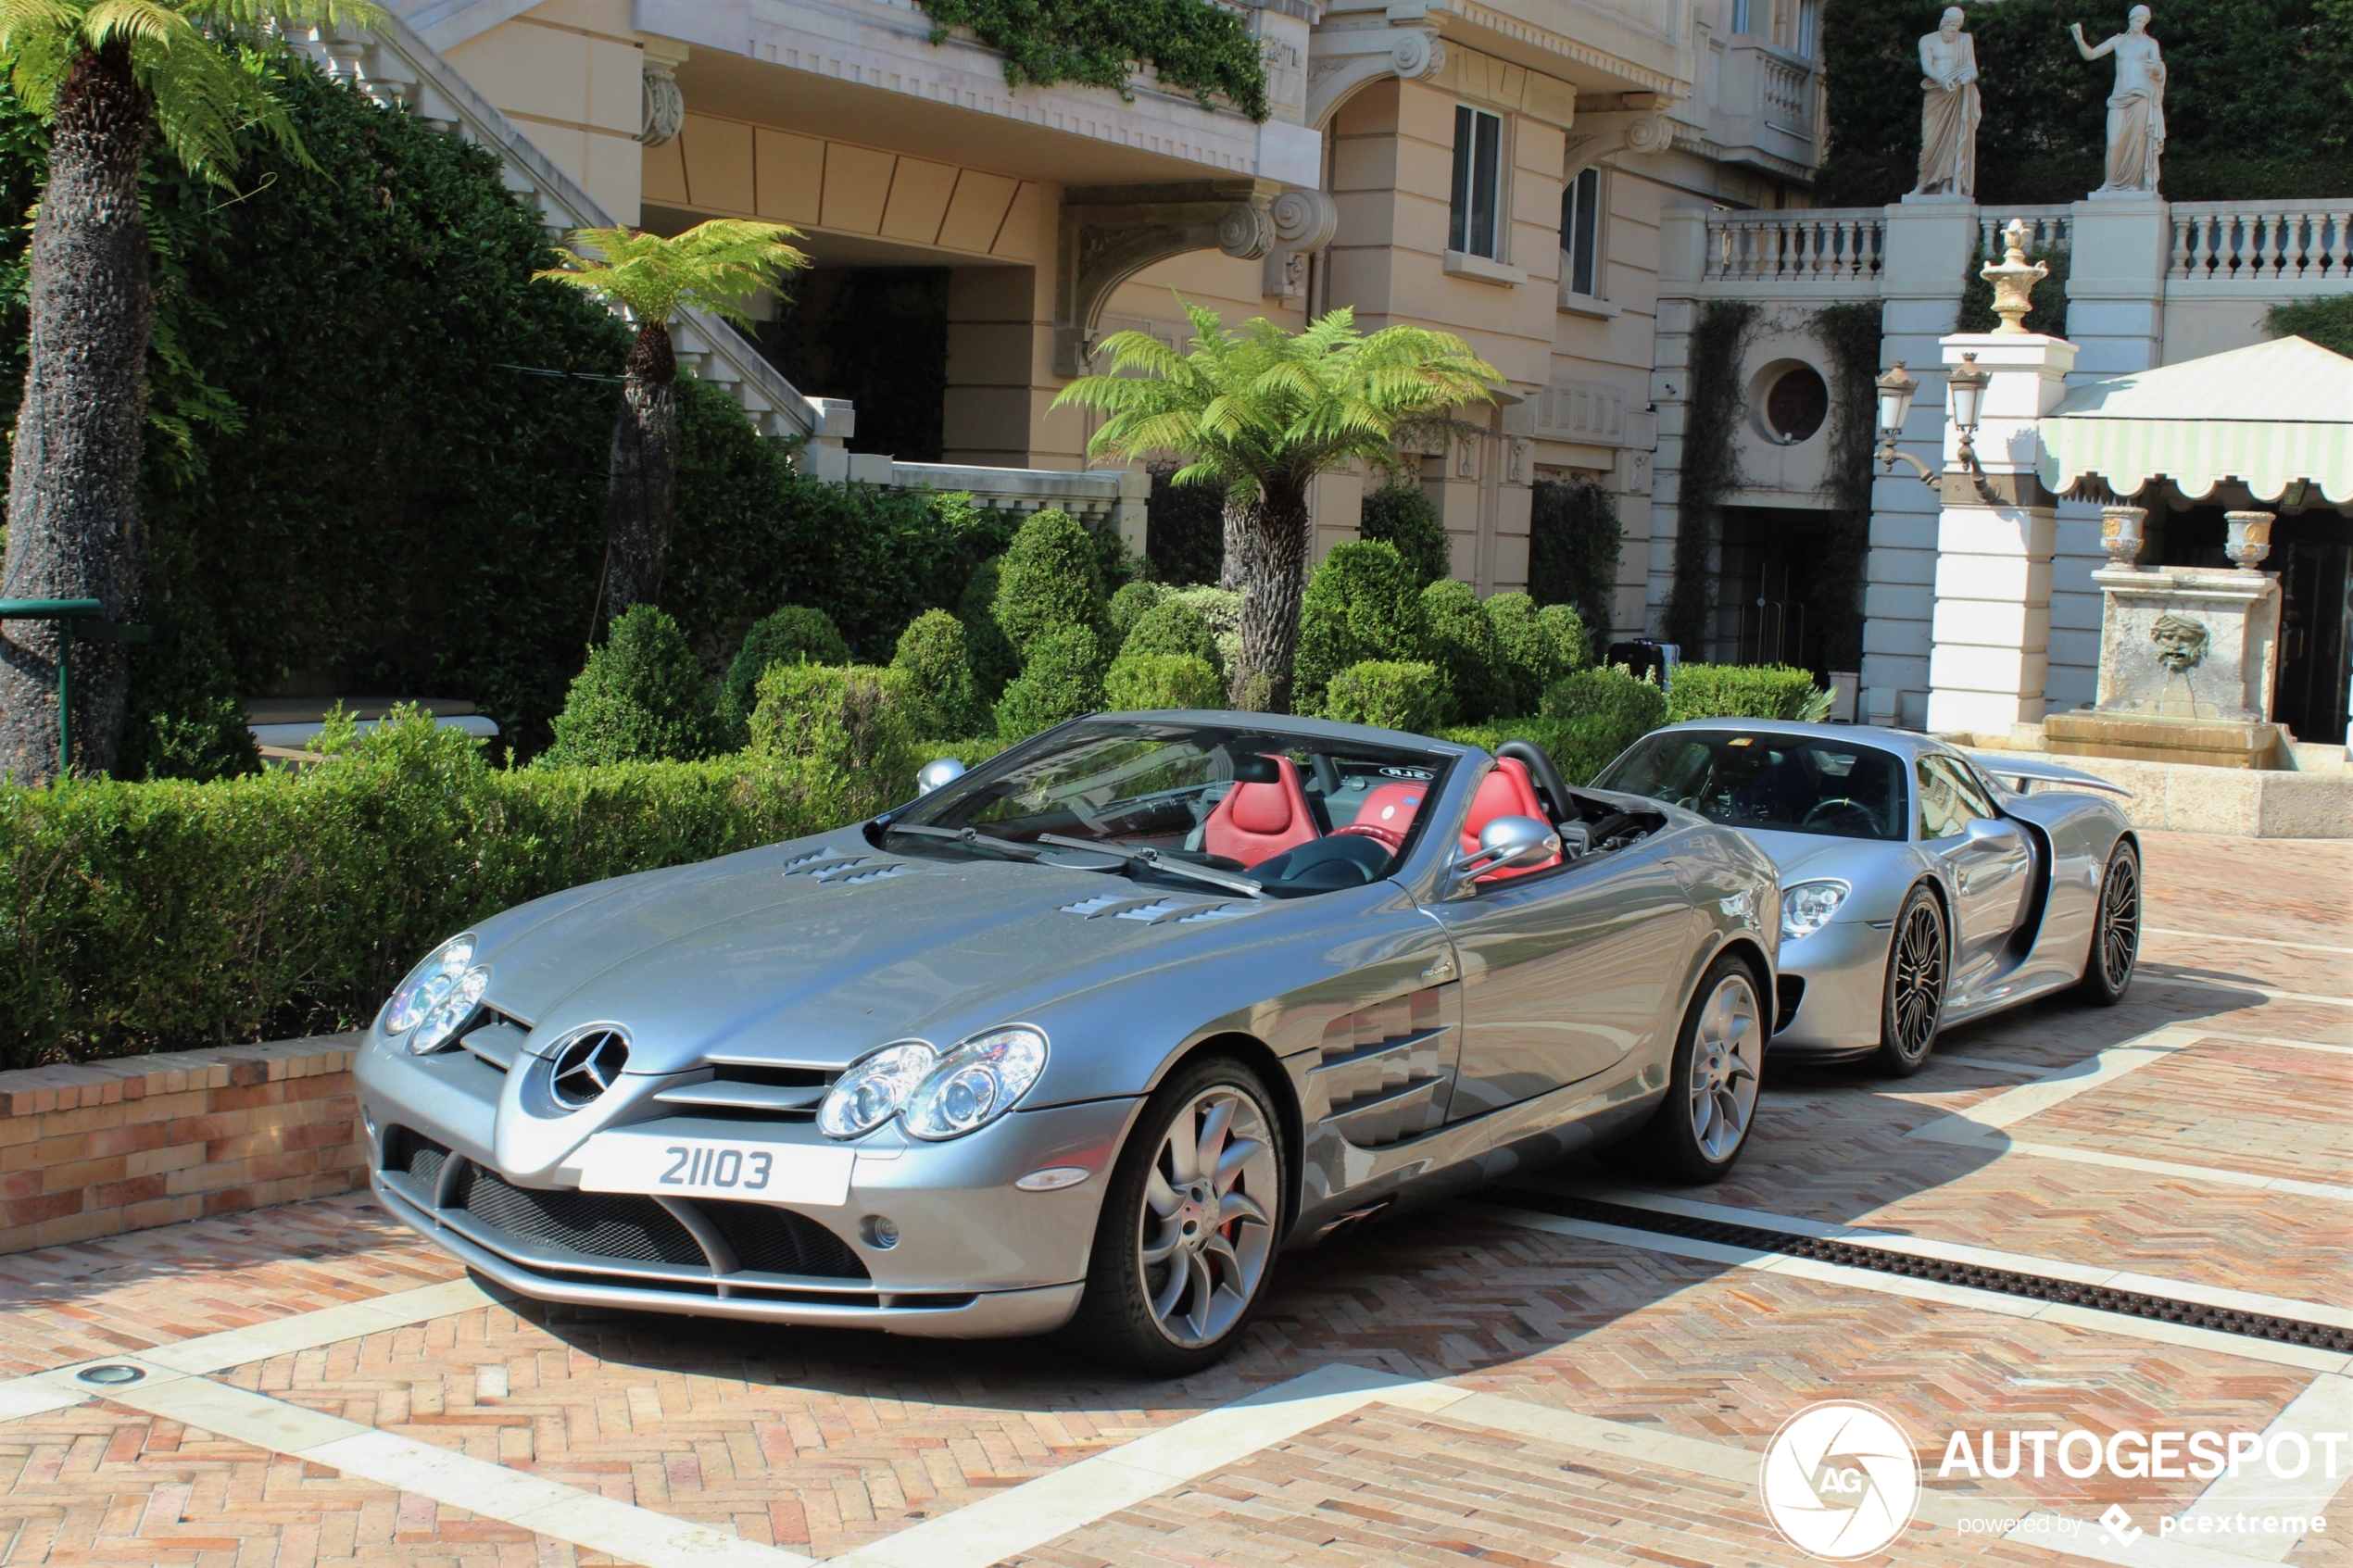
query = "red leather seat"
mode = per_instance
[
  {"x": 1505, "y": 791},
  {"x": 1387, "y": 813},
  {"x": 1258, "y": 822}
]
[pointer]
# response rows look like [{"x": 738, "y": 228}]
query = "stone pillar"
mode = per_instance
[
  {"x": 1929, "y": 245},
  {"x": 1994, "y": 539}
]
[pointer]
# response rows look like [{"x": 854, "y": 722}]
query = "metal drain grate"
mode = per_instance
[{"x": 2038, "y": 1287}]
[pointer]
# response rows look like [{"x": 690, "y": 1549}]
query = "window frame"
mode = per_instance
[
  {"x": 1586, "y": 227},
  {"x": 1478, "y": 134},
  {"x": 1967, "y": 797}
]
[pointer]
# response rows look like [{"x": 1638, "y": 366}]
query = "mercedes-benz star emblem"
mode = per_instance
[{"x": 587, "y": 1067}]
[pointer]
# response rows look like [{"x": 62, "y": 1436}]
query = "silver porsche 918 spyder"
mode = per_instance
[
  {"x": 1092, "y": 1032},
  {"x": 1921, "y": 885}
]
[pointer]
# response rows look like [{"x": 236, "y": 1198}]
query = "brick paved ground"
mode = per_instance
[{"x": 823, "y": 1442}]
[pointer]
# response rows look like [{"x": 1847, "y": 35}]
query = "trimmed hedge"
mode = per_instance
[
  {"x": 852, "y": 728},
  {"x": 1173, "y": 627},
  {"x": 1463, "y": 643},
  {"x": 1539, "y": 646},
  {"x": 1738, "y": 691},
  {"x": 795, "y": 634},
  {"x": 1389, "y": 694},
  {"x": 1049, "y": 582},
  {"x": 932, "y": 654},
  {"x": 640, "y": 698},
  {"x": 1401, "y": 516},
  {"x": 1128, "y": 605},
  {"x": 1063, "y": 679},
  {"x": 170, "y": 916},
  {"x": 1141, "y": 680},
  {"x": 1607, "y": 693},
  {"x": 1364, "y": 604},
  {"x": 1580, "y": 748}
]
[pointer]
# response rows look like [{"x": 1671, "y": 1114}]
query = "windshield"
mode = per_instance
[
  {"x": 1293, "y": 814},
  {"x": 1788, "y": 783}
]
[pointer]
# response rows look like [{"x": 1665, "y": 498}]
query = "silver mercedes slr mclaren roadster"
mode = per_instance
[
  {"x": 1921, "y": 885},
  {"x": 1089, "y": 1032}
]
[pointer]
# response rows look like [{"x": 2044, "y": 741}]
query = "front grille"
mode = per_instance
[
  {"x": 603, "y": 1224},
  {"x": 1788, "y": 992},
  {"x": 418, "y": 1156},
  {"x": 777, "y": 1241}
]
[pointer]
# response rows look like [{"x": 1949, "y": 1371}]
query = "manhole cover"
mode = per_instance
[{"x": 110, "y": 1375}]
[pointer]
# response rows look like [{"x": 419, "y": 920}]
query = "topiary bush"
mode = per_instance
[
  {"x": 1580, "y": 748},
  {"x": 851, "y": 728},
  {"x": 1173, "y": 627},
  {"x": 1463, "y": 643},
  {"x": 1062, "y": 678},
  {"x": 1574, "y": 542},
  {"x": 793, "y": 635},
  {"x": 939, "y": 679},
  {"x": 1739, "y": 690},
  {"x": 640, "y": 698},
  {"x": 994, "y": 659},
  {"x": 1389, "y": 694},
  {"x": 1221, "y": 610},
  {"x": 1539, "y": 646},
  {"x": 1363, "y": 603},
  {"x": 1609, "y": 694},
  {"x": 1049, "y": 582},
  {"x": 1161, "y": 680},
  {"x": 1402, "y": 516},
  {"x": 1129, "y": 605}
]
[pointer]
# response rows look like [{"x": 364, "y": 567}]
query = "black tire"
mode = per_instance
[
  {"x": 1136, "y": 1312},
  {"x": 1716, "y": 1073},
  {"x": 1919, "y": 961},
  {"x": 2115, "y": 951}
]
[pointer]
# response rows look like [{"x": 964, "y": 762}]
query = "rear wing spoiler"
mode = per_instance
[{"x": 2022, "y": 772}]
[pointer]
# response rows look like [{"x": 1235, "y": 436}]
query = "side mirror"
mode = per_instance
[
  {"x": 947, "y": 771},
  {"x": 1510, "y": 841}
]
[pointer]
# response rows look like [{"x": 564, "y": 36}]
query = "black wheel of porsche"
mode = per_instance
[
  {"x": 1917, "y": 960},
  {"x": 1712, "y": 1082},
  {"x": 2116, "y": 932},
  {"x": 1185, "y": 1247}
]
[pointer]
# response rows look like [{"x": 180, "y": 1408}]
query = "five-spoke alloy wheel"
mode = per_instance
[
  {"x": 1720, "y": 1057},
  {"x": 1918, "y": 954},
  {"x": 1187, "y": 1240}
]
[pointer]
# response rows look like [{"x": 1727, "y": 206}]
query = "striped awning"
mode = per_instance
[{"x": 2271, "y": 417}]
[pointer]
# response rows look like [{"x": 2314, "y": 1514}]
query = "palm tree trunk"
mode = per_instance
[
  {"x": 73, "y": 480},
  {"x": 1241, "y": 531},
  {"x": 644, "y": 463},
  {"x": 1277, "y": 575}
]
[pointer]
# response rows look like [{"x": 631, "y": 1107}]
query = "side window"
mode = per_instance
[
  {"x": 1581, "y": 232},
  {"x": 1472, "y": 222},
  {"x": 1944, "y": 813}
]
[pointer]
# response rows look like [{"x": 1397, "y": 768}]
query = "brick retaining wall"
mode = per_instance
[{"x": 102, "y": 1147}]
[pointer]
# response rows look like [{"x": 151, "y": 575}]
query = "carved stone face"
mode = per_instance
[
  {"x": 2138, "y": 19},
  {"x": 2181, "y": 642},
  {"x": 1951, "y": 24}
]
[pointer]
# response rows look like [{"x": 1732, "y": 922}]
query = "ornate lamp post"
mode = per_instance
[{"x": 1896, "y": 391}]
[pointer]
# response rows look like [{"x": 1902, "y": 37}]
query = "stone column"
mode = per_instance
[{"x": 1994, "y": 537}]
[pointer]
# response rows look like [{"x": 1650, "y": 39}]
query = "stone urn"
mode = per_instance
[
  {"x": 2250, "y": 539},
  {"x": 2121, "y": 533}
]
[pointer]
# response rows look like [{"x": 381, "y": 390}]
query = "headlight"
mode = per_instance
[
  {"x": 1807, "y": 907},
  {"x": 428, "y": 984},
  {"x": 976, "y": 1084},
  {"x": 871, "y": 1092},
  {"x": 450, "y": 1015}
]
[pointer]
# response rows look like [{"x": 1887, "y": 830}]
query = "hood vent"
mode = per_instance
[
  {"x": 1160, "y": 910},
  {"x": 825, "y": 866}
]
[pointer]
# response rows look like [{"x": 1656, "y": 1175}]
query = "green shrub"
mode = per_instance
[
  {"x": 1388, "y": 695},
  {"x": 939, "y": 677},
  {"x": 1184, "y": 528},
  {"x": 1173, "y": 627},
  {"x": 993, "y": 656},
  {"x": 1221, "y": 610},
  {"x": 1612, "y": 707},
  {"x": 1049, "y": 582},
  {"x": 1062, "y": 678},
  {"x": 1401, "y": 516},
  {"x": 1539, "y": 646},
  {"x": 186, "y": 720},
  {"x": 174, "y": 915},
  {"x": 1574, "y": 541},
  {"x": 793, "y": 635},
  {"x": 2326, "y": 319},
  {"x": 1128, "y": 605},
  {"x": 852, "y": 728},
  {"x": 1580, "y": 748},
  {"x": 1463, "y": 643},
  {"x": 1161, "y": 680},
  {"x": 1363, "y": 603},
  {"x": 640, "y": 698},
  {"x": 971, "y": 753},
  {"x": 1738, "y": 691}
]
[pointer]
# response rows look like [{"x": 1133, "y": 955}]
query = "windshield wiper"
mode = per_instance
[
  {"x": 1157, "y": 861},
  {"x": 972, "y": 838}
]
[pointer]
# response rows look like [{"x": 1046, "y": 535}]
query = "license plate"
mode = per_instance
[{"x": 762, "y": 1173}]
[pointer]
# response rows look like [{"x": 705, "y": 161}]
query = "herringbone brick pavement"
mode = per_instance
[
  {"x": 2294, "y": 891},
  {"x": 2243, "y": 1108}
]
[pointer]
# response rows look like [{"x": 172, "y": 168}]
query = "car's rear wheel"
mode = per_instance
[
  {"x": 1712, "y": 1083},
  {"x": 2116, "y": 932},
  {"x": 1185, "y": 1248},
  {"x": 1912, "y": 1007}
]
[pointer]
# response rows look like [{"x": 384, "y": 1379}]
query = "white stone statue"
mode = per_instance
[
  {"x": 1949, "y": 110},
  {"x": 2136, "y": 111}
]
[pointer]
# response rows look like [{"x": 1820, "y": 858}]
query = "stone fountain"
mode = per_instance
[{"x": 2188, "y": 655}]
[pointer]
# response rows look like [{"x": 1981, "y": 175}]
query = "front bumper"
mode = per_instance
[{"x": 1840, "y": 976}]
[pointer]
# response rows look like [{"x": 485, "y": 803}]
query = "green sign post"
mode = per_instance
[{"x": 77, "y": 622}]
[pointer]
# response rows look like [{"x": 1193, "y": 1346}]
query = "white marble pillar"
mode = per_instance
[{"x": 1989, "y": 665}]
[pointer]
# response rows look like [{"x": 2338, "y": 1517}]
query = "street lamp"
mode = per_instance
[
  {"x": 1895, "y": 393},
  {"x": 1968, "y": 384}
]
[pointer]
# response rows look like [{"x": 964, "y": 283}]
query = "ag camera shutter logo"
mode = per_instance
[{"x": 1840, "y": 1480}]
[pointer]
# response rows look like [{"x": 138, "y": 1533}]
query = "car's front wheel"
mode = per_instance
[
  {"x": 2116, "y": 932},
  {"x": 1711, "y": 1094},
  {"x": 1185, "y": 1247},
  {"x": 1912, "y": 1007}
]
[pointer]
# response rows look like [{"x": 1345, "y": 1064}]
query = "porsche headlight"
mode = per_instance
[
  {"x": 1808, "y": 906},
  {"x": 976, "y": 1084},
  {"x": 429, "y": 985},
  {"x": 874, "y": 1090}
]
